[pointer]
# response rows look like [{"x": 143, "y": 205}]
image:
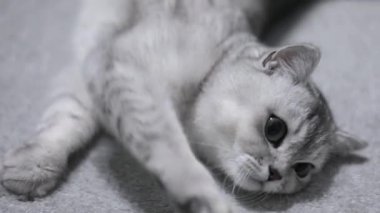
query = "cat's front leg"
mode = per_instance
[
  {"x": 35, "y": 168},
  {"x": 144, "y": 120}
]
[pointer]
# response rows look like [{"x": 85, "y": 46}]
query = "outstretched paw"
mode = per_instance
[
  {"x": 201, "y": 197},
  {"x": 31, "y": 171},
  {"x": 202, "y": 205}
]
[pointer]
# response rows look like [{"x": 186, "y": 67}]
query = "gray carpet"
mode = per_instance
[{"x": 34, "y": 47}]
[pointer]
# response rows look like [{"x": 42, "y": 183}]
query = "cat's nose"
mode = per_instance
[{"x": 273, "y": 174}]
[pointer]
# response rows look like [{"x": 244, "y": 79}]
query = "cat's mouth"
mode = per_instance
[
  {"x": 257, "y": 182},
  {"x": 253, "y": 185}
]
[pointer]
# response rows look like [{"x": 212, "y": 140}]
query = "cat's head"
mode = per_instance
[{"x": 262, "y": 120}]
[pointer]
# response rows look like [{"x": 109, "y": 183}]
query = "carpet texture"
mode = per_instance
[{"x": 34, "y": 38}]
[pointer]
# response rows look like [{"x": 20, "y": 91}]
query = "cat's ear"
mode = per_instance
[
  {"x": 297, "y": 60},
  {"x": 344, "y": 143}
]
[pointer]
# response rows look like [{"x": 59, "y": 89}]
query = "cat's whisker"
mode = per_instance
[
  {"x": 262, "y": 198},
  {"x": 252, "y": 195},
  {"x": 224, "y": 182},
  {"x": 245, "y": 176},
  {"x": 257, "y": 198},
  {"x": 239, "y": 178},
  {"x": 234, "y": 182},
  {"x": 254, "y": 198}
]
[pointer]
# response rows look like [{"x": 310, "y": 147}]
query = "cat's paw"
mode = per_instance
[
  {"x": 31, "y": 171},
  {"x": 201, "y": 197},
  {"x": 203, "y": 204}
]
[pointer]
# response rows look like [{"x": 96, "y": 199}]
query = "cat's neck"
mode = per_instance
[
  {"x": 231, "y": 34},
  {"x": 235, "y": 46},
  {"x": 231, "y": 48}
]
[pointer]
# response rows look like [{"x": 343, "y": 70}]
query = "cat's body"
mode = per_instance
[
  {"x": 162, "y": 76},
  {"x": 177, "y": 41}
]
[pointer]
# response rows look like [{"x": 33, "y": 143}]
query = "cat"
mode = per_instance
[{"x": 178, "y": 80}]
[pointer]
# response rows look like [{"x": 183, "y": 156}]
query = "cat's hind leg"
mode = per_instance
[{"x": 34, "y": 169}]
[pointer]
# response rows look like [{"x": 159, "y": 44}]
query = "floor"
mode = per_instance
[{"x": 34, "y": 48}]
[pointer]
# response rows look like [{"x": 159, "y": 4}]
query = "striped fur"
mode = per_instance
[{"x": 162, "y": 76}]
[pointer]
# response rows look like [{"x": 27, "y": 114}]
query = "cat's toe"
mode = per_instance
[{"x": 31, "y": 172}]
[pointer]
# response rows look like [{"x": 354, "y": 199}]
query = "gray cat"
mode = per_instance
[{"x": 172, "y": 78}]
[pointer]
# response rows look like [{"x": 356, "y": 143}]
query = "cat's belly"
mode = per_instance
[{"x": 174, "y": 53}]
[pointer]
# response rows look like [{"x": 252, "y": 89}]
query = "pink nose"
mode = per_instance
[{"x": 274, "y": 174}]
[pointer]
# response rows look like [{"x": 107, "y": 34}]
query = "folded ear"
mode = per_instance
[
  {"x": 297, "y": 60},
  {"x": 344, "y": 143}
]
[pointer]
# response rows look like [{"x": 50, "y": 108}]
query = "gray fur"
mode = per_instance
[{"x": 165, "y": 76}]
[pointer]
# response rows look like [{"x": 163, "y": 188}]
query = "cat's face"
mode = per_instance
[{"x": 265, "y": 124}]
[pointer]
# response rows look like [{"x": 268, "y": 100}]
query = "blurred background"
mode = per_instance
[{"x": 34, "y": 47}]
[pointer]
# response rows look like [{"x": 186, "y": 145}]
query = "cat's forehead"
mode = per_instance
[
  {"x": 319, "y": 109},
  {"x": 314, "y": 127},
  {"x": 299, "y": 100},
  {"x": 295, "y": 101}
]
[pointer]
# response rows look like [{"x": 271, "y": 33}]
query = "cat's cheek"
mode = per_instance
[
  {"x": 250, "y": 185},
  {"x": 245, "y": 183},
  {"x": 292, "y": 185}
]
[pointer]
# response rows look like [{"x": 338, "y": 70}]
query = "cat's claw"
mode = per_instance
[{"x": 31, "y": 172}]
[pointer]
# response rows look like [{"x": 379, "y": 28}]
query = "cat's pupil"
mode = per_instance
[
  {"x": 275, "y": 130},
  {"x": 303, "y": 169}
]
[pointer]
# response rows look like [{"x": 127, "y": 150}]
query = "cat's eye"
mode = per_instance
[
  {"x": 303, "y": 169},
  {"x": 275, "y": 130}
]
